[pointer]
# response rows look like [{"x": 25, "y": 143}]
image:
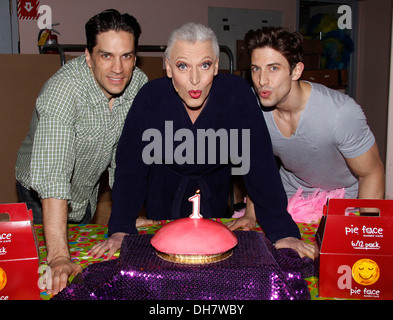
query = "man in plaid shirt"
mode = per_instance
[{"x": 74, "y": 132}]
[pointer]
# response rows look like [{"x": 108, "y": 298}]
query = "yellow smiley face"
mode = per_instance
[
  {"x": 3, "y": 278},
  {"x": 365, "y": 272}
]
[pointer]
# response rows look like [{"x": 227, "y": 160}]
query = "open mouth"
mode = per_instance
[
  {"x": 115, "y": 80},
  {"x": 195, "y": 94}
]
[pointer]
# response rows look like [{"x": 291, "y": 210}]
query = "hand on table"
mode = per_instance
[
  {"x": 111, "y": 245},
  {"x": 245, "y": 222},
  {"x": 143, "y": 221},
  {"x": 114, "y": 242},
  {"x": 301, "y": 247},
  {"x": 61, "y": 269}
]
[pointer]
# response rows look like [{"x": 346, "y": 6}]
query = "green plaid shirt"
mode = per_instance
[{"x": 73, "y": 137}]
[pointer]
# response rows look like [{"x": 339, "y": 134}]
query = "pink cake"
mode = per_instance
[{"x": 194, "y": 241}]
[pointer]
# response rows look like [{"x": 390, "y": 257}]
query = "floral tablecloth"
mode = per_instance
[{"x": 82, "y": 237}]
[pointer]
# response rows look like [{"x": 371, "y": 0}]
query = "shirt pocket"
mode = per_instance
[{"x": 89, "y": 141}]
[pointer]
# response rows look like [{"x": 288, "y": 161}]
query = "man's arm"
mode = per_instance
[
  {"x": 55, "y": 213},
  {"x": 301, "y": 247},
  {"x": 371, "y": 173}
]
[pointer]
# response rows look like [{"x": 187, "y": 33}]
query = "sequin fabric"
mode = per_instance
[{"x": 255, "y": 271}]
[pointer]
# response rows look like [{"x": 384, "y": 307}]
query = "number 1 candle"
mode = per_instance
[{"x": 196, "y": 202}]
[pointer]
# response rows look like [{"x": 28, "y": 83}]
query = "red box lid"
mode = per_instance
[
  {"x": 17, "y": 236},
  {"x": 340, "y": 233}
]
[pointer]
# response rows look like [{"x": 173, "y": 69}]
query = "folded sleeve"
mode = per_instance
[{"x": 53, "y": 152}]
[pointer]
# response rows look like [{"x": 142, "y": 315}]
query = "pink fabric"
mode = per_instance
[
  {"x": 305, "y": 209},
  {"x": 241, "y": 212},
  {"x": 310, "y": 208}
]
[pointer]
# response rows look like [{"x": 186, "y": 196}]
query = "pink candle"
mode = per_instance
[{"x": 196, "y": 202}]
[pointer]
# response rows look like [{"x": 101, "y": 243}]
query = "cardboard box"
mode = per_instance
[
  {"x": 327, "y": 77},
  {"x": 18, "y": 253},
  {"x": 356, "y": 252}
]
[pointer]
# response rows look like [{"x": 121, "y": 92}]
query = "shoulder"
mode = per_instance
[
  {"x": 153, "y": 95},
  {"x": 156, "y": 88},
  {"x": 233, "y": 89},
  {"x": 74, "y": 68},
  {"x": 72, "y": 74},
  {"x": 69, "y": 84},
  {"x": 227, "y": 80},
  {"x": 328, "y": 95}
]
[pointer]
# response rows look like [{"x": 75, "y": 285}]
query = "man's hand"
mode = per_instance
[
  {"x": 301, "y": 247},
  {"x": 61, "y": 269},
  {"x": 142, "y": 221},
  {"x": 111, "y": 245},
  {"x": 246, "y": 223},
  {"x": 55, "y": 213}
]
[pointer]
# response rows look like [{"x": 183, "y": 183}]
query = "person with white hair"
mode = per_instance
[{"x": 162, "y": 160}]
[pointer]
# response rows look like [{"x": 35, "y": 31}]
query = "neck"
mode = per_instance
[
  {"x": 297, "y": 99},
  {"x": 111, "y": 102}
]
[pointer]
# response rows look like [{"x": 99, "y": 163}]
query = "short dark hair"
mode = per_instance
[
  {"x": 289, "y": 44},
  {"x": 109, "y": 20}
]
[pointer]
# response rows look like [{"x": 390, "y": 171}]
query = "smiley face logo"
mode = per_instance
[
  {"x": 3, "y": 278},
  {"x": 365, "y": 272}
]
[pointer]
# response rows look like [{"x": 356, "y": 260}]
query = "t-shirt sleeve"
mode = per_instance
[{"x": 351, "y": 132}]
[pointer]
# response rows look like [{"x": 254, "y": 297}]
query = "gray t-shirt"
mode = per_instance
[{"x": 332, "y": 127}]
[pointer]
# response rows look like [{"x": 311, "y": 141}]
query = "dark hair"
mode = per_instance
[
  {"x": 110, "y": 20},
  {"x": 289, "y": 44}
]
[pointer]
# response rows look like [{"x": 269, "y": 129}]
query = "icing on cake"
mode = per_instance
[{"x": 192, "y": 241}]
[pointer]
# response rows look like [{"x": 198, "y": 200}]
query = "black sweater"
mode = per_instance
[{"x": 160, "y": 161}]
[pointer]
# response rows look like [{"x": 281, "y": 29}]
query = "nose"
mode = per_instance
[
  {"x": 263, "y": 78},
  {"x": 117, "y": 66},
  {"x": 194, "y": 76}
]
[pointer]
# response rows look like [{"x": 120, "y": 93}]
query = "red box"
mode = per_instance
[
  {"x": 356, "y": 252},
  {"x": 18, "y": 253}
]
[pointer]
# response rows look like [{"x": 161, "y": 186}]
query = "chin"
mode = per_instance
[
  {"x": 267, "y": 104},
  {"x": 194, "y": 106},
  {"x": 116, "y": 91}
]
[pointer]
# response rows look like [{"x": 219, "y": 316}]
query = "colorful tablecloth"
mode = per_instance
[{"x": 82, "y": 237}]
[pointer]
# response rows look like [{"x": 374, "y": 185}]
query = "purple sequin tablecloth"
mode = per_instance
[{"x": 255, "y": 271}]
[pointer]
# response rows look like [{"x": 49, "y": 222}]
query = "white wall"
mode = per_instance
[{"x": 157, "y": 17}]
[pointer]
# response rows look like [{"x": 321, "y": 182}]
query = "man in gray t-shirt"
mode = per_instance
[
  {"x": 320, "y": 135},
  {"x": 331, "y": 129}
]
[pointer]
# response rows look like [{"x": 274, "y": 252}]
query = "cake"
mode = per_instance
[{"x": 194, "y": 240}]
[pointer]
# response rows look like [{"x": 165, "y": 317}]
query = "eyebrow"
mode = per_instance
[
  {"x": 108, "y": 52},
  {"x": 268, "y": 65},
  {"x": 202, "y": 60}
]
